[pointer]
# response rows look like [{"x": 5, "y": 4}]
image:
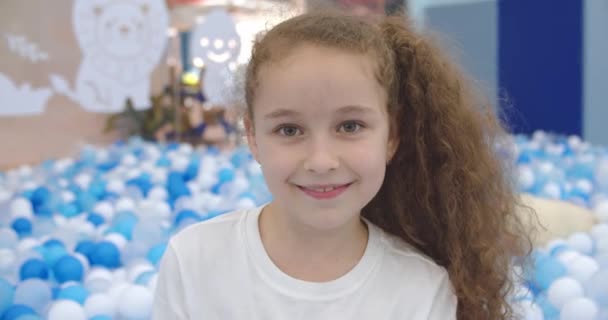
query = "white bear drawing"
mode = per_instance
[
  {"x": 216, "y": 42},
  {"x": 122, "y": 41}
]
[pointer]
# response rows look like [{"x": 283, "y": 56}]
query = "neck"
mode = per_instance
[{"x": 311, "y": 254}]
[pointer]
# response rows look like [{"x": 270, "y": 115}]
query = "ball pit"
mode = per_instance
[{"x": 81, "y": 238}]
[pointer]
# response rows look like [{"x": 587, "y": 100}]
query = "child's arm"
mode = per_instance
[{"x": 169, "y": 299}]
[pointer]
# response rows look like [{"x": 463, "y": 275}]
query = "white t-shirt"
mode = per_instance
[{"x": 219, "y": 269}]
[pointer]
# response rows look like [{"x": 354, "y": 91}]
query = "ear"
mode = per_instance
[{"x": 250, "y": 132}]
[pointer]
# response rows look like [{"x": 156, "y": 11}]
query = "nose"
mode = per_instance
[{"x": 321, "y": 158}]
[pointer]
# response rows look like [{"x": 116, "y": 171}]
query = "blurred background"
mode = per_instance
[{"x": 119, "y": 127}]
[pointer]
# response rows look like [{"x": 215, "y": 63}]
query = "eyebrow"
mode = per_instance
[{"x": 281, "y": 113}]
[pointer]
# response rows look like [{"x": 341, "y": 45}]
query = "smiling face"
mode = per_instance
[
  {"x": 320, "y": 130},
  {"x": 216, "y": 41}
]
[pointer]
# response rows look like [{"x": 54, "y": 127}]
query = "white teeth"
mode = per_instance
[{"x": 326, "y": 189}]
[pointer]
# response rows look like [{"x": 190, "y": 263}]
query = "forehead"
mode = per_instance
[{"x": 318, "y": 79}]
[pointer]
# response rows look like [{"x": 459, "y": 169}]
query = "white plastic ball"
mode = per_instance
[
  {"x": 152, "y": 283},
  {"x": 582, "y": 268},
  {"x": 118, "y": 239},
  {"x": 563, "y": 290},
  {"x": 99, "y": 304},
  {"x": 21, "y": 207},
  {"x": 67, "y": 196},
  {"x": 179, "y": 163},
  {"x": 584, "y": 185},
  {"x": 151, "y": 151},
  {"x": 105, "y": 209},
  {"x": 8, "y": 238},
  {"x": 599, "y": 231},
  {"x": 116, "y": 290},
  {"x": 125, "y": 204},
  {"x": 128, "y": 160},
  {"x": 245, "y": 203},
  {"x": 581, "y": 242},
  {"x": 98, "y": 280},
  {"x": 83, "y": 180},
  {"x": 185, "y": 149},
  {"x": 25, "y": 171},
  {"x": 133, "y": 173},
  {"x": 601, "y": 246},
  {"x": 136, "y": 303},
  {"x": 527, "y": 310},
  {"x": 27, "y": 244},
  {"x": 66, "y": 309},
  {"x": 601, "y": 211},
  {"x": 566, "y": 257},
  {"x": 119, "y": 275},
  {"x": 579, "y": 309},
  {"x": 206, "y": 180},
  {"x": 159, "y": 176},
  {"x": 158, "y": 194},
  {"x": 526, "y": 177},
  {"x": 137, "y": 269},
  {"x": 552, "y": 190},
  {"x": 116, "y": 186},
  {"x": 574, "y": 142},
  {"x": 34, "y": 293}
]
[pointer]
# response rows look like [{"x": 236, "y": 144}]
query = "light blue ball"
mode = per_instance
[
  {"x": 52, "y": 254},
  {"x": 33, "y": 268},
  {"x": 29, "y": 317},
  {"x": 144, "y": 278},
  {"x": 75, "y": 292},
  {"x": 156, "y": 253},
  {"x": 101, "y": 317},
  {"x": 7, "y": 292},
  {"x": 546, "y": 269},
  {"x": 68, "y": 268},
  {"x": 17, "y": 310},
  {"x": 226, "y": 175}
]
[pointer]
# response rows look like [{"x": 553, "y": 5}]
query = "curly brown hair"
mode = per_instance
[{"x": 447, "y": 191}]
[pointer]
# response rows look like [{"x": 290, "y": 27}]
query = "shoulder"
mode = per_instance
[
  {"x": 208, "y": 236},
  {"x": 400, "y": 256}
]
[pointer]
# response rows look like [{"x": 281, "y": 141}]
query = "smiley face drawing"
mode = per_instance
[{"x": 217, "y": 45}]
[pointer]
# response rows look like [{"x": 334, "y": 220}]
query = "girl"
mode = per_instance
[{"x": 390, "y": 199}]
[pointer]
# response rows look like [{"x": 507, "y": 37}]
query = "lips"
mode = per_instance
[{"x": 328, "y": 191}]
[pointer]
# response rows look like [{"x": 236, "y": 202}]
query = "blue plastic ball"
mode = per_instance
[
  {"x": 34, "y": 268},
  {"x": 96, "y": 219},
  {"x": 69, "y": 210},
  {"x": 22, "y": 226},
  {"x": 15, "y": 311},
  {"x": 156, "y": 253},
  {"x": 74, "y": 292},
  {"x": 101, "y": 317},
  {"x": 68, "y": 268},
  {"x": 51, "y": 251},
  {"x": 226, "y": 175},
  {"x": 85, "y": 247},
  {"x": 105, "y": 254},
  {"x": 7, "y": 292}
]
